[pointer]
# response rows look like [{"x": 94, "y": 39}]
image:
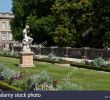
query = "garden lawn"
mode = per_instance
[{"x": 88, "y": 79}]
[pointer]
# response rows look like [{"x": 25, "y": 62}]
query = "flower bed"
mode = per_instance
[{"x": 36, "y": 82}]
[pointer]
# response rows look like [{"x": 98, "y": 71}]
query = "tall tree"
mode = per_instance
[
  {"x": 75, "y": 23},
  {"x": 35, "y": 13},
  {"x": 101, "y": 23},
  {"x": 72, "y": 18}
]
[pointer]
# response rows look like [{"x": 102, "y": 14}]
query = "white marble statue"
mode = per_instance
[{"x": 26, "y": 40}]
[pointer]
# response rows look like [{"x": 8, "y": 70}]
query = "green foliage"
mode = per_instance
[
  {"x": 9, "y": 73},
  {"x": 51, "y": 56},
  {"x": 98, "y": 62},
  {"x": 88, "y": 79},
  {"x": 21, "y": 84},
  {"x": 7, "y": 87},
  {"x": 64, "y": 22},
  {"x": 41, "y": 78},
  {"x": 4, "y": 52},
  {"x": 35, "y": 13},
  {"x": 43, "y": 81},
  {"x": 101, "y": 22},
  {"x": 63, "y": 36},
  {"x": 72, "y": 18},
  {"x": 40, "y": 81},
  {"x": 15, "y": 54}
]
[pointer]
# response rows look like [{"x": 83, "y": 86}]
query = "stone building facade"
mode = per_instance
[{"x": 6, "y": 37}]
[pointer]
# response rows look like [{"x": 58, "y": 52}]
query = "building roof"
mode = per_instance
[{"x": 6, "y": 15}]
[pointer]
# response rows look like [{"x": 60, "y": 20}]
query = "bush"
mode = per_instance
[
  {"x": 41, "y": 77},
  {"x": 8, "y": 74},
  {"x": 41, "y": 81},
  {"x": 15, "y": 54},
  {"x": 4, "y": 51},
  {"x": 51, "y": 57},
  {"x": 98, "y": 62},
  {"x": 8, "y": 53}
]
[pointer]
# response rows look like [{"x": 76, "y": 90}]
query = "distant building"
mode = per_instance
[{"x": 6, "y": 37}]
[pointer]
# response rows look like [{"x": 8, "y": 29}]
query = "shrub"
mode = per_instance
[
  {"x": 41, "y": 77},
  {"x": 41, "y": 81},
  {"x": 98, "y": 62},
  {"x": 51, "y": 56},
  {"x": 15, "y": 54},
  {"x": 4, "y": 51},
  {"x": 9, "y": 73},
  {"x": 8, "y": 53}
]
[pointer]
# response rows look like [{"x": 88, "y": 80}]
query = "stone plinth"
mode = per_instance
[{"x": 26, "y": 59}]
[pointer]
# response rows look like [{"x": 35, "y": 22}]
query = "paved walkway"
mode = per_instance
[
  {"x": 65, "y": 58},
  {"x": 69, "y": 59}
]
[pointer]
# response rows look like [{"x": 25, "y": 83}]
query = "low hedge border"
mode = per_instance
[
  {"x": 6, "y": 87},
  {"x": 90, "y": 67}
]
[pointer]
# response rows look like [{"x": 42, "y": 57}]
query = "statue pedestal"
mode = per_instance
[{"x": 26, "y": 59}]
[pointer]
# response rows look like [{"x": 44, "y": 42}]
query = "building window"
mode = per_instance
[
  {"x": 10, "y": 37},
  {"x": 3, "y": 26},
  {"x": 9, "y": 27},
  {"x": 3, "y": 45},
  {"x": 3, "y": 36}
]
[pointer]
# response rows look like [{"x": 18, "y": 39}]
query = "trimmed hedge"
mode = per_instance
[
  {"x": 107, "y": 69},
  {"x": 7, "y": 87}
]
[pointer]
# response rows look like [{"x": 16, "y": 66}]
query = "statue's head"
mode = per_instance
[{"x": 27, "y": 27}]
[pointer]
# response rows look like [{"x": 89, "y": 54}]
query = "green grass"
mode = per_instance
[
  {"x": 7, "y": 87},
  {"x": 88, "y": 79}
]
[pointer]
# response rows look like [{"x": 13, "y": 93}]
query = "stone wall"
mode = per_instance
[{"x": 80, "y": 53}]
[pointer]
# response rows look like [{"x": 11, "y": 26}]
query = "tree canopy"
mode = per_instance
[{"x": 75, "y": 23}]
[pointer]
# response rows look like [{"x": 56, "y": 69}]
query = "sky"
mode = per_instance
[{"x": 5, "y": 6}]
